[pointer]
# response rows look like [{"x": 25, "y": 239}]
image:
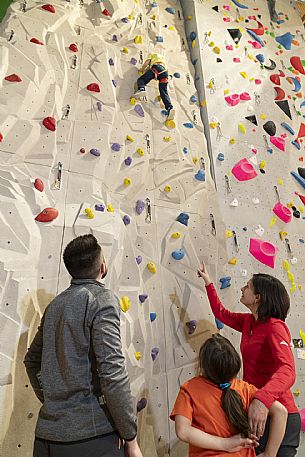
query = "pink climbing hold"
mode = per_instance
[
  {"x": 263, "y": 251},
  {"x": 278, "y": 142},
  {"x": 73, "y": 47},
  {"x": 282, "y": 212},
  {"x": 36, "y": 41},
  {"x": 47, "y": 215},
  {"x": 244, "y": 170},
  {"x": 93, "y": 87},
  {"x": 49, "y": 123},
  {"x": 302, "y": 414},
  {"x": 245, "y": 96},
  {"x": 49, "y": 8},
  {"x": 258, "y": 81},
  {"x": 13, "y": 78},
  {"x": 233, "y": 99},
  {"x": 38, "y": 184}
]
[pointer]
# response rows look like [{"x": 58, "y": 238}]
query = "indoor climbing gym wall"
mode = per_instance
[{"x": 80, "y": 155}]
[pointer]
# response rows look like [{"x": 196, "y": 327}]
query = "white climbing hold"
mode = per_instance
[
  {"x": 234, "y": 202},
  {"x": 244, "y": 273},
  {"x": 260, "y": 230},
  {"x": 253, "y": 160},
  {"x": 293, "y": 261},
  {"x": 255, "y": 201}
]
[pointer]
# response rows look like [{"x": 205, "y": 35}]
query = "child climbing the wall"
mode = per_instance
[
  {"x": 155, "y": 67},
  {"x": 210, "y": 412}
]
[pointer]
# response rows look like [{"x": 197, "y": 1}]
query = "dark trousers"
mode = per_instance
[
  {"x": 100, "y": 446},
  {"x": 291, "y": 439},
  {"x": 151, "y": 74}
]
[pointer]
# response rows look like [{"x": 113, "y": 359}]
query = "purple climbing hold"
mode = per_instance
[
  {"x": 126, "y": 219},
  {"x": 115, "y": 83},
  {"x": 154, "y": 353},
  {"x": 114, "y": 38},
  {"x": 115, "y": 147},
  {"x": 111, "y": 61},
  {"x": 139, "y": 259},
  {"x": 191, "y": 325},
  {"x": 133, "y": 61},
  {"x": 95, "y": 152},
  {"x": 143, "y": 297},
  {"x": 99, "y": 106},
  {"x": 128, "y": 161},
  {"x": 141, "y": 404},
  {"x": 140, "y": 206},
  {"x": 125, "y": 20},
  {"x": 139, "y": 110},
  {"x": 99, "y": 207}
]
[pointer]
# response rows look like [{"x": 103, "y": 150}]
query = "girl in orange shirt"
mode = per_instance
[{"x": 210, "y": 412}]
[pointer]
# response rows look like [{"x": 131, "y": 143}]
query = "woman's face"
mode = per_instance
[{"x": 249, "y": 298}]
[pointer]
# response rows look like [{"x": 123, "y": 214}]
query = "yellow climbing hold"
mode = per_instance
[
  {"x": 167, "y": 188},
  {"x": 138, "y": 355},
  {"x": 129, "y": 138},
  {"x": 290, "y": 276},
  {"x": 203, "y": 103},
  {"x": 176, "y": 235},
  {"x": 286, "y": 265},
  {"x": 216, "y": 49},
  {"x": 127, "y": 182},
  {"x": 195, "y": 160},
  {"x": 226, "y": 91},
  {"x": 290, "y": 204},
  {"x": 301, "y": 209},
  {"x": 283, "y": 235},
  {"x": 193, "y": 43},
  {"x": 213, "y": 125},
  {"x": 211, "y": 44},
  {"x": 154, "y": 17},
  {"x": 170, "y": 124},
  {"x": 125, "y": 303},
  {"x": 262, "y": 164},
  {"x": 242, "y": 128},
  {"x": 229, "y": 234},
  {"x": 131, "y": 16},
  {"x": 110, "y": 208},
  {"x": 167, "y": 139},
  {"x": 233, "y": 261},
  {"x": 140, "y": 152},
  {"x": 263, "y": 116},
  {"x": 158, "y": 98},
  {"x": 138, "y": 39},
  {"x": 272, "y": 221},
  {"x": 89, "y": 213},
  {"x": 189, "y": 18},
  {"x": 232, "y": 141},
  {"x": 280, "y": 182},
  {"x": 171, "y": 27},
  {"x": 296, "y": 392},
  {"x": 133, "y": 101},
  {"x": 125, "y": 50},
  {"x": 244, "y": 74},
  {"x": 151, "y": 267},
  {"x": 302, "y": 335}
]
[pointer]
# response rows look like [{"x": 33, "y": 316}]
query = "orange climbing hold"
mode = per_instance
[{"x": 38, "y": 184}]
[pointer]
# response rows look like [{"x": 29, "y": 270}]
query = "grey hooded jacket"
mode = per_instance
[{"x": 76, "y": 367}]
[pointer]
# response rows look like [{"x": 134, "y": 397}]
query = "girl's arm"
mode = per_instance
[
  {"x": 278, "y": 418},
  {"x": 191, "y": 435}
]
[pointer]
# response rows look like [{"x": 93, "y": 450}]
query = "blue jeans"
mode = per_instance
[{"x": 157, "y": 70}]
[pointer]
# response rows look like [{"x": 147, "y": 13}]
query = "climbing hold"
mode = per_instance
[
  {"x": 233, "y": 99},
  {"x": 216, "y": 49},
  {"x": 284, "y": 106},
  {"x": 127, "y": 182},
  {"x": 245, "y": 96},
  {"x": 220, "y": 325},
  {"x": 260, "y": 230},
  {"x": 89, "y": 213},
  {"x": 183, "y": 218},
  {"x": 188, "y": 125},
  {"x": 138, "y": 39},
  {"x": 244, "y": 74},
  {"x": 170, "y": 123},
  {"x": 229, "y": 234},
  {"x": 167, "y": 188},
  {"x": 260, "y": 58},
  {"x": 139, "y": 110},
  {"x": 234, "y": 203},
  {"x": 296, "y": 83},
  {"x": 159, "y": 39},
  {"x": 73, "y": 47},
  {"x": 99, "y": 207},
  {"x": 232, "y": 261},
  {"x": 297, "y": 64},
  {"x": 177, "y": 235},
  {"x": 193, "y": 36},
  {"x": 275, "y": 79},
  {"x": 140, "y": 152},
  {"x": 225, "y": 282},
  {"x": 151, "y": 267},
  {"x": 282, "y": 212},
  {"x": 263, "y": 251},
  {"x": 115, "y": 147},
  {"x": 178, "y": 254},
  {"x": 221, "y": 157},
  {"x": 36, "y": 41},
  {"x": 95, "y": 152},
  {"x": 47, "y": 215},
  {"x": 49, "y": 123},
  {"x": 141, "y": 403},
  {"x": 133, "y": 61},
  {"x": 93, "y": 87},
  {"x": 244, "y": 170},
  {"x": 110, "y": 208},
  {"x": 279, "y": 142},
  {"x": 154, "y": 353},
  {"x": 193, "y": 99},
  {"x": 283, "y": 235},
  {"x": 235, "y": 35},
  {"x": 125, "y": 303},
  {"x": 128, "y": 161},
  {"x": 252, "y": 119},
  {"x": 82, "y": 150},
  {"x": 49, "y": 8},
  {"x": 13, "y": 78},
  {"x": 152, "y": 316},
  {"x": 232, "y": 141},
  {"x": 99, "y": 105},
  {"x": 143, "y": 297},
  {"x": 139, "y": 259},
  {"x": 125, "y": 50},
  {"x": 288, "y": 128},
  {"x": 270, "y": 128},
  {"x": 170, "y": 10},
  {"x": 105, "y": 12},
  {"x": 130, "y": 138},
  {"x": 191, "y": 325},
  {"x": 242, "y": 128},
  {"x": 285, "y": 40},
  {"x": 272, "y": 65},
  {"x": 177, "y": 75},
  {"x": 200, "y": 175},
  {"x": 140, "y": 205},
  {"x": 38, "y": 184},
  {"x": 256, "y": 38}
]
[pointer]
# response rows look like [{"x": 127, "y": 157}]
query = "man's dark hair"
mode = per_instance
[
  {"x": 82, "y": 257},
  {"x": 275, "y": 301},
  {"x": 220, "y": 364}
]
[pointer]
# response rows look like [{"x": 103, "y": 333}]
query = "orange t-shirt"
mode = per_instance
[{"x": 199, "y": 400}]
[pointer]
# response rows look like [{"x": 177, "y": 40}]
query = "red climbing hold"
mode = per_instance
[
  {"x": 297, "y": 64},
  {"x": 1, "y": 137},
  {"x": 38, "y": 184},
  {"x": 280, "y": 93},
  {"x": 275, "y": 79},
  {"x": 301, "y": 133},
  {"x": 93, "y": 87},
  {"x": 49, "y": 8},
  {"x": 301, "y": 197},
  {"x": 73, "y": 47},
  {"x": 49, "y": 123},
  {"x": 36, "y": 41},
  {"x": 105, "y": 12},
  {"x": 260, "y": 30},
  {"x": 13, "y": 78},
  {"x": 47, "y": 215}
]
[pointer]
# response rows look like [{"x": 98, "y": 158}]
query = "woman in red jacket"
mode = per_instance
[{"x": 268, "y": 361}]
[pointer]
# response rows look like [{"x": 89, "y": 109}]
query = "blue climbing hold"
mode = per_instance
[
  {"x": 188, "y": 125},
  {"x": 183, "y": 218},
  {"x": 177, "y": 75},
  {"x": 220, "y": 325},
  {"x": 194, "y": 61},
  {"x": 126, "y": 219},
  {"x": 154, "y": 4},
  {"x": 193, "y": 36},
  {"x": 221, "y": 157},
  {"x": 285, "y": 40},
  {"x": 298, "y": 178},
  {"x": 185, "y": 150},
  {"x": 159, "y": 39},
  {"x": 240, "y": 5},
  {"x": 296, "y": 144},
  {"x": 256, "y": 37},
  {"x": 178, "y": 254},
  {"x": 288, "y": 128},
  {"x": 260, "y": 58},
  {"x": 200, "y": 175},
  {"x": 170, "y": 10},
  {"x": 193, "y": 99},
  {"x": 152, "y": 316},
  {"x": 225, "y": 282}
]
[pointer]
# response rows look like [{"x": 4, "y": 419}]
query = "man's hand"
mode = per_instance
[
  {"x": 257, "y": 416},
  {"x": 132, "y": 449},
  {"x": 202, "y": 273},
  {"x": 236, "y": 443}
]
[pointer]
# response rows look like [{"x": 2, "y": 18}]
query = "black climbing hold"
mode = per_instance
[
  {"x": 270, "y": 128},
  {"x": 235, "y": 35},
  {"x": 216, "y": 8},
  {"x": 284, "y": 105},
  {"x": 247, "y": 20},
  {"x": 259, "y": 16},
  {"x": 262, "y": 171},
  {"x": 301, "y": 172},
  {"x": 252, "y": 119},
  {"x": 295, "y": 212},
  {"x": 218, "y": 60},
  {"x": 272, "y": 65}
]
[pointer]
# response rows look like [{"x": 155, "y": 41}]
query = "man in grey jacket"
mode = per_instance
[{"x": 76, "y": 366}]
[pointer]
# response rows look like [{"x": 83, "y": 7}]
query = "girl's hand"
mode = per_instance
[
  {"x": 236, "y": 443},
  {"x": 202, "y": 273}
]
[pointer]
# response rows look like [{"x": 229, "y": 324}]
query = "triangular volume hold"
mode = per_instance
[
  {"x": 284, "y": 105},
  {"x": 235, "y": 35},
  {"x": 252, "y": 119},
  {"x": 216, "y": 8}
]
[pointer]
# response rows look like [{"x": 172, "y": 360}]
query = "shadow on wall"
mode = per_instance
[{"x": 21, "y": 406}]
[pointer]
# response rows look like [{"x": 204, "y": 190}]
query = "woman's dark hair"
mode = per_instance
[
  {"x": 274, "y": 301},
  {"x": 82, "y": 257},
  {"x": 220, "y": 364}
]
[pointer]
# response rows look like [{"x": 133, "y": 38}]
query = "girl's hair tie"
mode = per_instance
[{"x": 224, "y": 386}]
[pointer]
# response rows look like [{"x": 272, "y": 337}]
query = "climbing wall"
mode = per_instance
[
  {"x": 80, "y": 155},
  {"x": 251, "y": 78}
]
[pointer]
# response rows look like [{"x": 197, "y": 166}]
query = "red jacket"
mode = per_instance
[{"x": 268, "y": 361}]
